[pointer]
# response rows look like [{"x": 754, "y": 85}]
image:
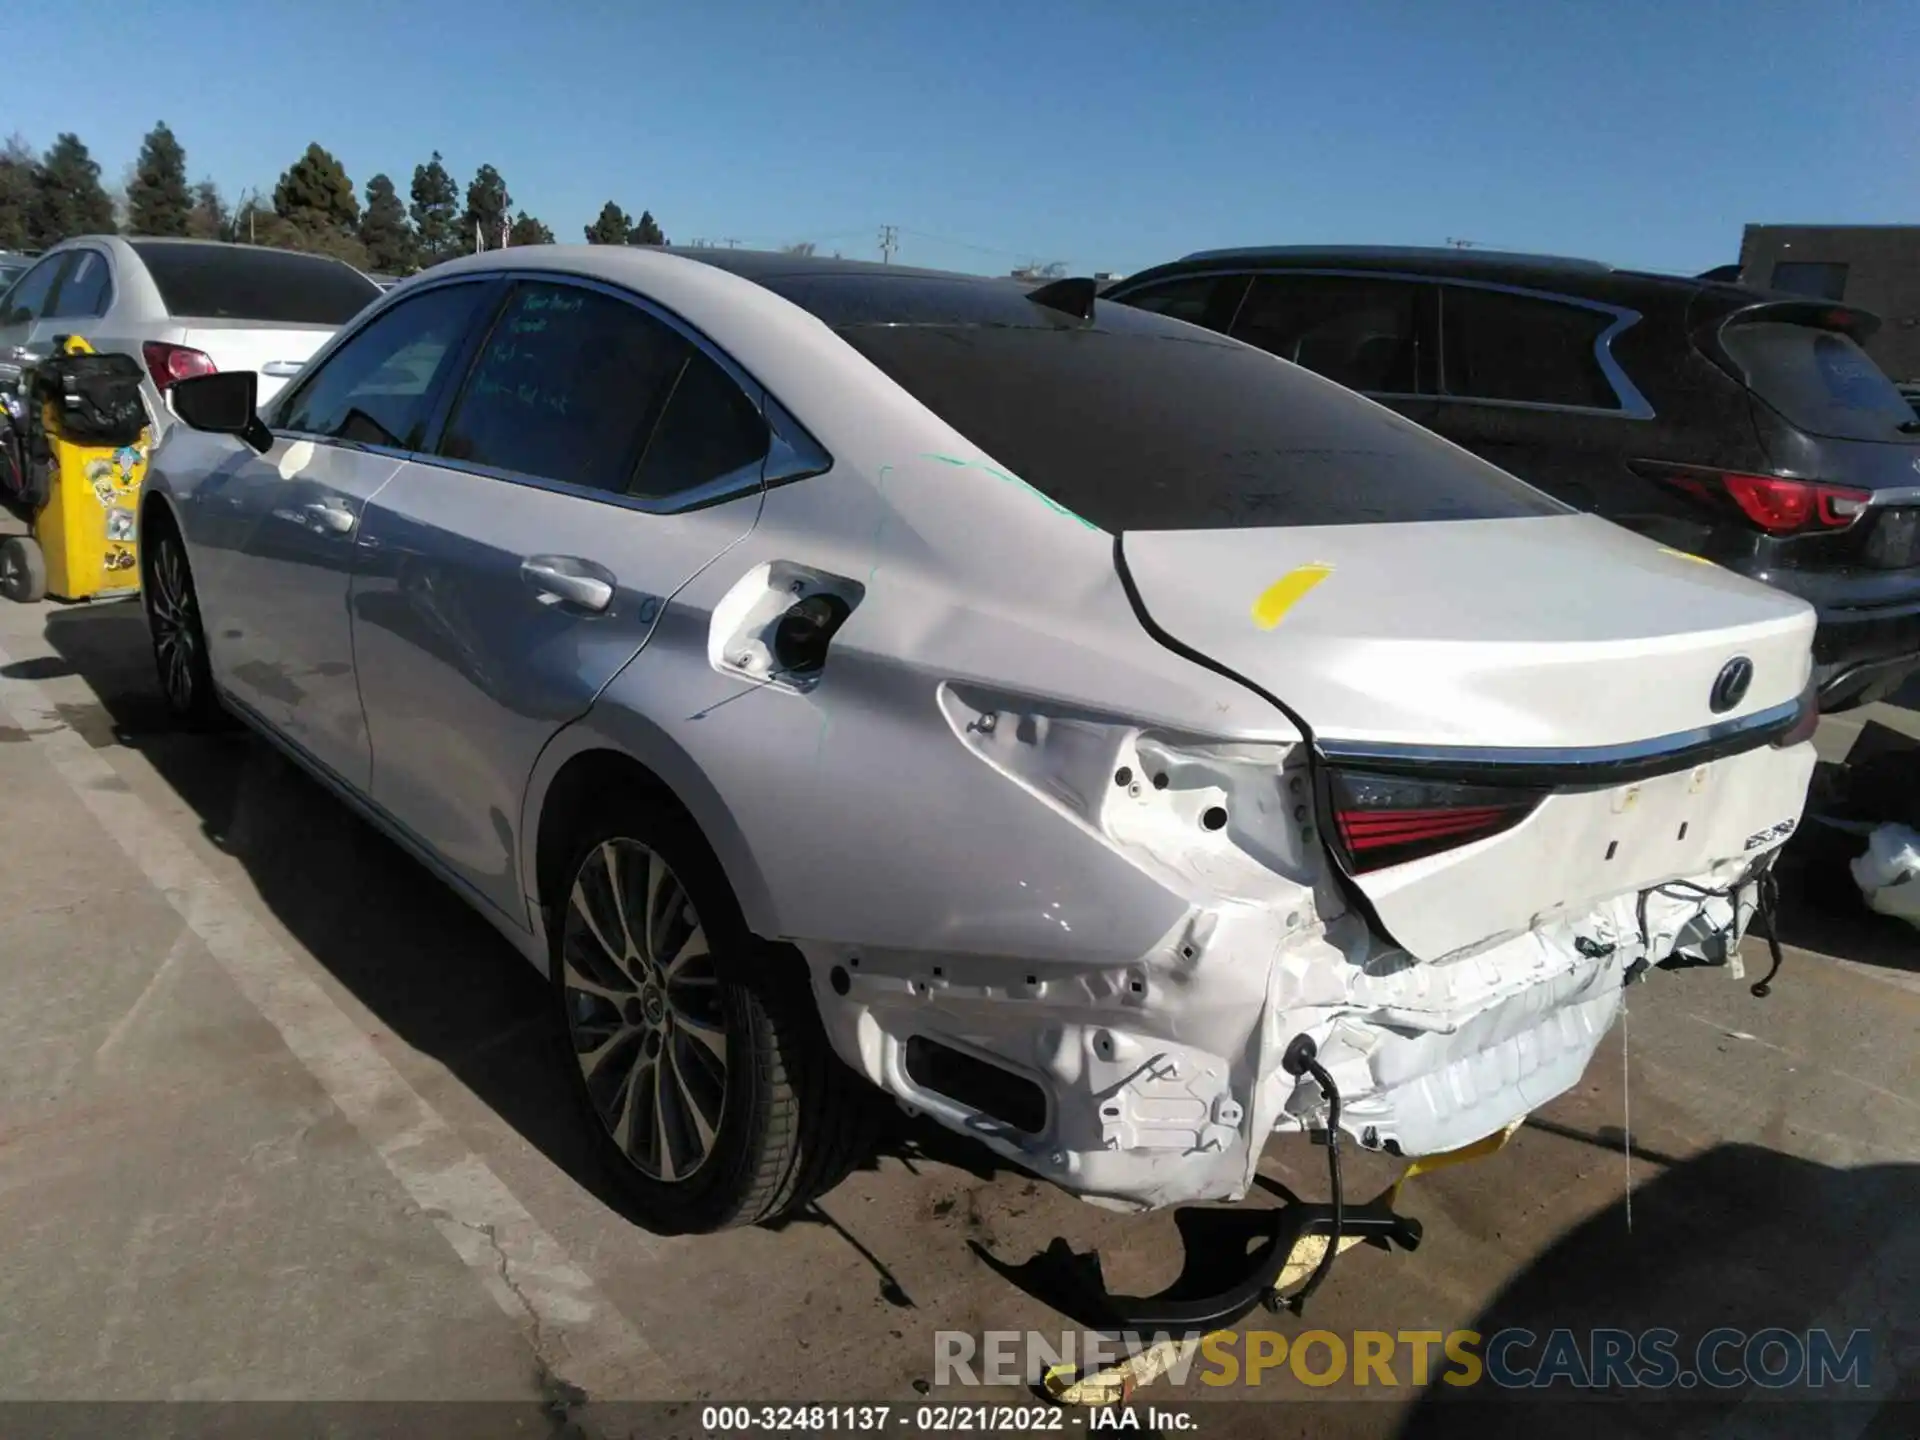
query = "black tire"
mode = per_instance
[
  {"x": 23, "y": 569},
  {"x": 174, "y": 625},
  {"x": 792, "y": 1118}
]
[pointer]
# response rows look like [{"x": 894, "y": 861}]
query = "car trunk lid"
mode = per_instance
[
  {"x": 1495, "y": 672},
  {"x": 274, "y": 352}
]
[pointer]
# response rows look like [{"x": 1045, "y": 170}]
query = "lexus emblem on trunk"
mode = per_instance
[{"x": 1730, "y": 688}]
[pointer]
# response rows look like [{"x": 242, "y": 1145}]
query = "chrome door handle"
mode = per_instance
[
  {"x": 566, "y": 578},
  {"x": 329, "y": 515},
  {"x": 281, "y": 369}
]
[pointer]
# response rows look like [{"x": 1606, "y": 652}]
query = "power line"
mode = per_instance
[{"x": 966, "y": 245}]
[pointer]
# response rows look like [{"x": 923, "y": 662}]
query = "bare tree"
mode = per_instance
[{"x": 799, "y": 247}]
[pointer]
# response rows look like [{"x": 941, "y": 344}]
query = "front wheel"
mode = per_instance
[
  {"x": 179, "y": 640},
  {"x": 698, "y": 1054}
]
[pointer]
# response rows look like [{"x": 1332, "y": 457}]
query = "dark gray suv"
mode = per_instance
[{"x": 1740, "y": 425}]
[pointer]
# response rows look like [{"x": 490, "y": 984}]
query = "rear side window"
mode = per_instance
[
  {"x": 1822, "y": 279},
  {"x": 84, "y": 290},
  {"x": 209, "y": 281},
  {"x": 1358, "y": 333},
  {"x": 377, "y": 388},
  {"x": 568, "y": 386},
  {"x": 709, "y": 430},
  {"x": 1499, "y": 346},
  {"x": 1819, "y": 380},
  {"x": 1139, "y": 423},
  {"x": 28, "y": 298}
]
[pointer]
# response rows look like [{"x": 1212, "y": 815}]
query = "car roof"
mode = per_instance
[
  {"x": 1502, "y": 266},
  {"x": 840, "y": 293}
]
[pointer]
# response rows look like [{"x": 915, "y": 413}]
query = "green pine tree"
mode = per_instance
[
  {"x": 316, "y": 194},
  {"x": 529, "y": 231},
  {"x": 158, "y": 201},
  {"x": 646, "y": 231},
  {"x": 435, "y": 212},
  {"x": 17, "y": 167},
  {"x": 68, "y": 198},
  {"x": 488, "y": 204},
  {"x": 384, "y": 230},
  {"x": 614, "y": 227}
]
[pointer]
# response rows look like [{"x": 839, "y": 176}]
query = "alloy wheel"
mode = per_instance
[
  {"x": 173, "y": 617},
  {"x": 644, "y": 1009}
]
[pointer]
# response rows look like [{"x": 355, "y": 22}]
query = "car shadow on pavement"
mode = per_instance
[
  {"x": 424, "y": 964},
  {"x": 1737, "y": 1238}
]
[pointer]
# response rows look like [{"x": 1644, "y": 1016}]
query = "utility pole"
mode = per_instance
[
  {"x": 889, "y": 242},
  {"x": 1459, "y": 244},
  {"x": 731, "y": 244}
]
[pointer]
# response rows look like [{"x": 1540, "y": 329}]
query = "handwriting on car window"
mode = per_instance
[{"x": 518, "y": 345}]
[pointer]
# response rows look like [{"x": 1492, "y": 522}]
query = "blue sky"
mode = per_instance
[{"x": 1108, "y": 136}]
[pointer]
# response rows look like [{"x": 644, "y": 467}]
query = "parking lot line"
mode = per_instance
[{"x": 579, "y": 1336}]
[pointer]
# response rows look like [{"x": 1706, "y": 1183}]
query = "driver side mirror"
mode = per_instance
[{"x": 222, "y": 404}]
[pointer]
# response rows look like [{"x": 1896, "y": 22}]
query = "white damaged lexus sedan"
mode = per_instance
[{"x": 1054, "y": 715}]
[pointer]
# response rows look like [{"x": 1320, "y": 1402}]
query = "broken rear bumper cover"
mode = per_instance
[{"x": 1159, "y": 1083}]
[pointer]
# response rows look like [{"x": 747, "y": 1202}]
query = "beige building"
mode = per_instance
[{"x": 1876, "y": 267}]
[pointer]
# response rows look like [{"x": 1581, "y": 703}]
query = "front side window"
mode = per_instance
[
  {"x": 377, "y": 388},
  {"x": 84, "y": 290},
  {"x": 1196, "y": 299},
  {"x": 568, "y": 387},
  {"x": 1357, "y": 332},
  {"x": 1499, "y": 346},
  {"x": 28, "y": 299}
]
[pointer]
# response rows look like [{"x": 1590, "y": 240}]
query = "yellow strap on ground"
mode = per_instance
[
  {"x": 1478, "y": 1150},
  {"x": 1116, "y": 1384}
]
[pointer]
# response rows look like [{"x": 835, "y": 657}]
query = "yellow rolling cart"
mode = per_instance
[{"x": 72, "y": 470}]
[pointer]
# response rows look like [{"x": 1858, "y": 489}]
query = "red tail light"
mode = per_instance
[
  {"x": 1384, "y": 820},
  {"x": 168, "y": 363},
  {"x": 1777, "y": 505}
]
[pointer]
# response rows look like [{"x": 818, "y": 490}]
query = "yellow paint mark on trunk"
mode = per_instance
[
  {"x": 1684, "y": 555},
  {"x": 1281, "y": 596}
]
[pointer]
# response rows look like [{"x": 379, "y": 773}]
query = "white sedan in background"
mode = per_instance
[
  {"x": 1095, "y": 732},
  {"x": 180, "y": 307}
]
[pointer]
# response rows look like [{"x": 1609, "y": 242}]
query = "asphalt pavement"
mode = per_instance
[{"x": 280, "y": 1121}]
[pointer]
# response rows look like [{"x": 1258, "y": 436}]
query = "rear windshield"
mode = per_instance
[
  {"x": 1144, "y": 423},
  {"x": 238, "y": 282},
  {"x": 1819, "y": 380}
]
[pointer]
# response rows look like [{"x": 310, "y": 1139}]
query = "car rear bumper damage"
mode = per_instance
[{"x": 1158, "y": 1081}]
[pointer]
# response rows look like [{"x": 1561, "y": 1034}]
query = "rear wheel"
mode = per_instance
[
  {"x": 173, "y": 622},
  {"x": 23, "y": 569},
  {"x": 697, "y": 1051}
]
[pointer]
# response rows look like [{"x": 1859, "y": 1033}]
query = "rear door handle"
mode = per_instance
[
  {"x": 568, "y": 579},
  {"x": 331, "y": 516}
]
